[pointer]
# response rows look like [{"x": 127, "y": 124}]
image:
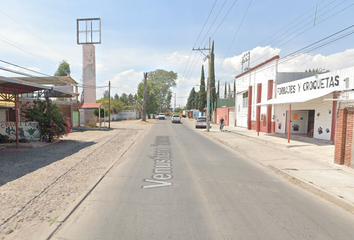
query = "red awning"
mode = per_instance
[{"x": 90, "y": 105}]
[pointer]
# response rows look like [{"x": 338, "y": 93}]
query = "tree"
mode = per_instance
[
  {"x": 116, "y": 97},
  {"x": 131, "y": 100},
  {"x": 168, "y": 100},
  {"x": 164, "y": 81},
  {"x": 152, "y": 99},
  {"x": 63, "y": 69},
  {"x": 100, "y": 113},
  {"x": 191, "y": 99},
  {"x": 218, "y": 93},
  {"x": 51, "y": 120},
  {"x": 196, "y": 101},
  {"x": 124, "y": 99},
  {"x": 106, "y": 94},
  {"x": 116, "y": 106},
  {"x": 202, "y": 93},
  {"x": 225, "y": 91}
]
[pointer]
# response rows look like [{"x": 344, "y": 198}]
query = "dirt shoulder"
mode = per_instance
[{"x": 37, "y": 185}]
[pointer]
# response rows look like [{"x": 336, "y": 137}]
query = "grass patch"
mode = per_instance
[{"x": 52, "y": 221}]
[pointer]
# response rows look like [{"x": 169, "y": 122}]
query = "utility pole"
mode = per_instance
[
  {"x": 175, "y": 103},
  {"x": 109, "y": 104},
  {"x": 144, "y": 103},
  {"x": 208, "y": 101},
  {"x": 209, "y": 74}
]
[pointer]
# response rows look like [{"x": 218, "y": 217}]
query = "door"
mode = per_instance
[
  {"x": 298, "y": 122},
  {"x": 232, "y": 117}
]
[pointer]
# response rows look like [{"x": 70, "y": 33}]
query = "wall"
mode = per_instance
[
  {"x": 223, "y": 113},
  {"x": 124, "y": 115},
  {"x": 2, "y": 115},
  {"x": 323, "y": 116},
  {"x": 260, "y": 75},
  {"x": 343, "y": 153},
  {"x": 27, "y": 130},
  {"x": 241, "y": 112},
  {"x": 89, "y": 74}
]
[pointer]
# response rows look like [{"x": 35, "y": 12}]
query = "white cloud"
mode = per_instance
[
  {"x": 298, "y": 63},
  {"x": 177, "y": 58},
  {"x": 130, "y": 77},
  {"x": 306, "y": 61}
]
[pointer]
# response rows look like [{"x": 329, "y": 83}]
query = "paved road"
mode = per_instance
[{"x": 175, "y": 183}]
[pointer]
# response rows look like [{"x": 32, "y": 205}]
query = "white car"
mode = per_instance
[
  {"x": 176, "y": 118},
  {"x": 201, "y": 122},
  {"x": 162, "y": 116}
]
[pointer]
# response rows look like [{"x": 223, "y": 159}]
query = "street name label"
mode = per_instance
[{"x": 162, "y": 164}]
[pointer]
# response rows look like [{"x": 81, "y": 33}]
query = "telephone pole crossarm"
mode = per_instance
[{"x": 208, "y": 85}]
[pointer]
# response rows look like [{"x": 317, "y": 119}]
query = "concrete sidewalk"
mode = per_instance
[{"x": 304, "y": 161}]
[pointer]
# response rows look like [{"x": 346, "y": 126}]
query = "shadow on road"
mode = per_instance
[{"x": 15, "y": 163}]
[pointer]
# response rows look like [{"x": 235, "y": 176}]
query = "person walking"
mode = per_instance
[{"x": 221, "y": 123}]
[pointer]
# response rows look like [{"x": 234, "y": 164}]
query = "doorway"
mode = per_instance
[{"x": 311, "y": 123}]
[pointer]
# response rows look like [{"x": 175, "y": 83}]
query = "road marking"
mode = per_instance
[
  {"x": 162, "y": 163},
  {"x": 160, "y": 183}
]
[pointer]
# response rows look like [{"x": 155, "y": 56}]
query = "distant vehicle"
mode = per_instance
[
  {"x": 201, "y": 122},
  {"x": 162, "y": 116},
  {"x": 176, "y": 119}
]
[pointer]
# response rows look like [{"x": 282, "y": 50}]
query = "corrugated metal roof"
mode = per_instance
[
  {"x": 56, "y": 81},
  {"x": 14, "y": 86}
]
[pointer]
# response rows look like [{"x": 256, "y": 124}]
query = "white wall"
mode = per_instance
[
  {"x": 323, "y": 116},
  {"x": 259, "y": 75},
  {"x": 89, "y": 73}
]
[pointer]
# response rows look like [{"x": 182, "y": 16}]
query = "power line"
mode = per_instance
[
  {"x": 31, "y": 32},
  {"x": 213, "y": 22},
  {"x": 223, "y": 19},
  {"x": 238, "y": 29},
  {"x": 25, "y": 68},
  {"x": 313, "y": 46},
  {"x": 199, "y": 36},
  {"x": 4, "y": 39},
  {"x": 262, "y": 56}
]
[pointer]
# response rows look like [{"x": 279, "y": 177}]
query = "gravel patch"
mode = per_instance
[{"x": 37, "y": 185}]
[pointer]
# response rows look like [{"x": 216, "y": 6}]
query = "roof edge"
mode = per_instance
[{"x": 258, "y": 66}]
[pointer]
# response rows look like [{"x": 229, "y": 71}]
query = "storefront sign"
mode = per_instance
[{"x": 308, "y": 85}]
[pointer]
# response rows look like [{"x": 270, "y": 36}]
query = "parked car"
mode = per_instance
[
  {"x": 201, "y": 122},
  {"x": 162, "y": 116},
  {"x": 176, "y": 119}
]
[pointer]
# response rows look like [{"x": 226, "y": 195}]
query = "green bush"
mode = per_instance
[
  {"x": 5, "y": 139},
  {"x": 52, "y": 122},
  {"x": 183, "y": 116}
]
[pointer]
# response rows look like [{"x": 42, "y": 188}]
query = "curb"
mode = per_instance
[
  {"x": 66, "y": 214},
  {"x": 337, "y": 200}
]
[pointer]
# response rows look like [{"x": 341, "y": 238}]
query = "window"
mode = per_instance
[{"x": 245, "y": 99}]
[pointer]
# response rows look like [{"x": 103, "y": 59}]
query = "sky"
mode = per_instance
[{"x": 144, "y": 35}]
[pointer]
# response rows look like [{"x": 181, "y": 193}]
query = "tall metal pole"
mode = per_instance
[
  {"x": 175, "y": 103},
  {"x": 109, "y": 104},
  {"x": 208, "y": 94},
  {"x": 143, "y": 118}
]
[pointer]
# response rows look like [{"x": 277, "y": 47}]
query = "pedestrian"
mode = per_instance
[{"x": 221, "y": 123}]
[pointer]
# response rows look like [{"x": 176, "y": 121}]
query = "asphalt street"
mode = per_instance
[{"x": 174, "y": 183}]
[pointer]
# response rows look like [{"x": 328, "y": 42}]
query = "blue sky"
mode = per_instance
[{"x": 142, "y": 36}]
